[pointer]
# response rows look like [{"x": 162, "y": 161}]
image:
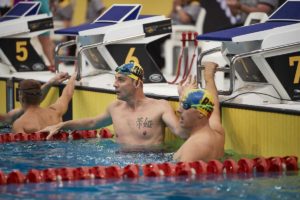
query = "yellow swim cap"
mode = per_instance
[
  {"x": 132, "y": 70},
  {"x": 199, "y": 99}
]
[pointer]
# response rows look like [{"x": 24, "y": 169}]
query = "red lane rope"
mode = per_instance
[
  {"x": 41, "y": 136},
  {"x": 244, "y": 166}
]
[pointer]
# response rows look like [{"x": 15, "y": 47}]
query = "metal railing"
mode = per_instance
[
  {"x": 231, "y": 71},
  {"x": 81, "y": 51},
  {"x": 59, "y": 58},
  {"x": 237, "y": 57}
]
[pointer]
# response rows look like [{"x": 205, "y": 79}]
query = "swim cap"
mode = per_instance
[
  {"x": 134, "y": 71},
  {"x": 31, "y": 91},
  {"x": 30, "y": 87},
  {"x": 199, "y": 99}
]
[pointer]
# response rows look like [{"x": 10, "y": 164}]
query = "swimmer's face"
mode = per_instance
[
  {"x": 188, "y": 116},
  {"x": 124, "y": 86}
]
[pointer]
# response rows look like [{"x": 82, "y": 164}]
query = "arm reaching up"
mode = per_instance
[
  {"x": 58, "y": 78},
  {"x": 61, "y": 104},
  {"x": 209, "y": 77},
  {"x": 14, "y": 114}
]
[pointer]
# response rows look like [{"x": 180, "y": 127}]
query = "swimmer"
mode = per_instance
[
  {"x": 136, "y": 119},
  {"x": 12, "y": 115},
  {"x": 200, "y": 113},
  {"x": 36, "y": 118}
]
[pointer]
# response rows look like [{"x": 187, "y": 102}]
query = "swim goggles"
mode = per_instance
[
  {"x": 187, "y": 106},
  {"x": 133, "y": 71}
]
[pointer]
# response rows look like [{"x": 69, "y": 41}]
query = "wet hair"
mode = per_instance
[{"x": 31, "y": 91}]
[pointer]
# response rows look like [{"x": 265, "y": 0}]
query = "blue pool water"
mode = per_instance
[
  {"x": 40, "y": 155},
  {"x": 52, "y": 154}
]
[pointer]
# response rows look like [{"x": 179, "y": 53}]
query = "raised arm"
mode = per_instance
[
  {"x": 58, "y": 78},
  {"x": 61, "y": 104},
  {"x": 14, "y": 114},
  {"x": 209, "y": 77}
]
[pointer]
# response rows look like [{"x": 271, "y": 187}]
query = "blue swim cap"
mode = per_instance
[
  {"x": 199, "y": 99},
  {"x": 134, "y": 71}
]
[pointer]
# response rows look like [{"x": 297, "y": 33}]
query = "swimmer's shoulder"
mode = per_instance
[
  {"x": 116, "y": 104},
  {"x": 157, "y": 101},
  {"x": 158, "y": 105},
  {"x": 164, "y": 103}
]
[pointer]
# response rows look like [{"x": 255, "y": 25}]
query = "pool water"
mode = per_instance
[
  {"x": 74, "y": 153},
  {"x": 52, "y": 154}
]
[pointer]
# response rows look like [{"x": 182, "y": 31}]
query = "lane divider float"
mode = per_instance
[
  {"x": 244, "y": 166},
  {"x": 62, "y": 135}
]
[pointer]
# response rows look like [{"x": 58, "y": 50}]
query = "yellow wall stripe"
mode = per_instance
[
  {"x": 3, "y": 96},
  {"x": 90, "y": 103},
  {"x": 261, "y": 133}
]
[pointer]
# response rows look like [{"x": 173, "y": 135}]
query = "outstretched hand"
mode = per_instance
[
  {"x": 59, "y": 78},
  {"x": 52, "y": 130},
  {"x": 189, "y": 83}
]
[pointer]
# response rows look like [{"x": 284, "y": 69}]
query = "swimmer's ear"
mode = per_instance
[
  {"x": 137, "y": 83},
  {"x": 200, "y": 115}
]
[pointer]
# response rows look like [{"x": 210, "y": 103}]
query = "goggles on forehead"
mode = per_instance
[
  {"x": 131, "y": 71},
  {"x": 124, "y": 68}
]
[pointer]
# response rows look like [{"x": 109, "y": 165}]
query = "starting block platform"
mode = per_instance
[
  {"x": 18, "y": 26},
  {"x": 265, "y": 53},
  {"x": 24, "y": 18},
  {"x": 116, "y": 37}
]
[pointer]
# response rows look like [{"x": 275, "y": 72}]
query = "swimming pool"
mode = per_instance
[{"x": 74, "y": 153}]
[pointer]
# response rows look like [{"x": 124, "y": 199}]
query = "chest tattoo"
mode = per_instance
[{"x": 143, "y": 122}]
